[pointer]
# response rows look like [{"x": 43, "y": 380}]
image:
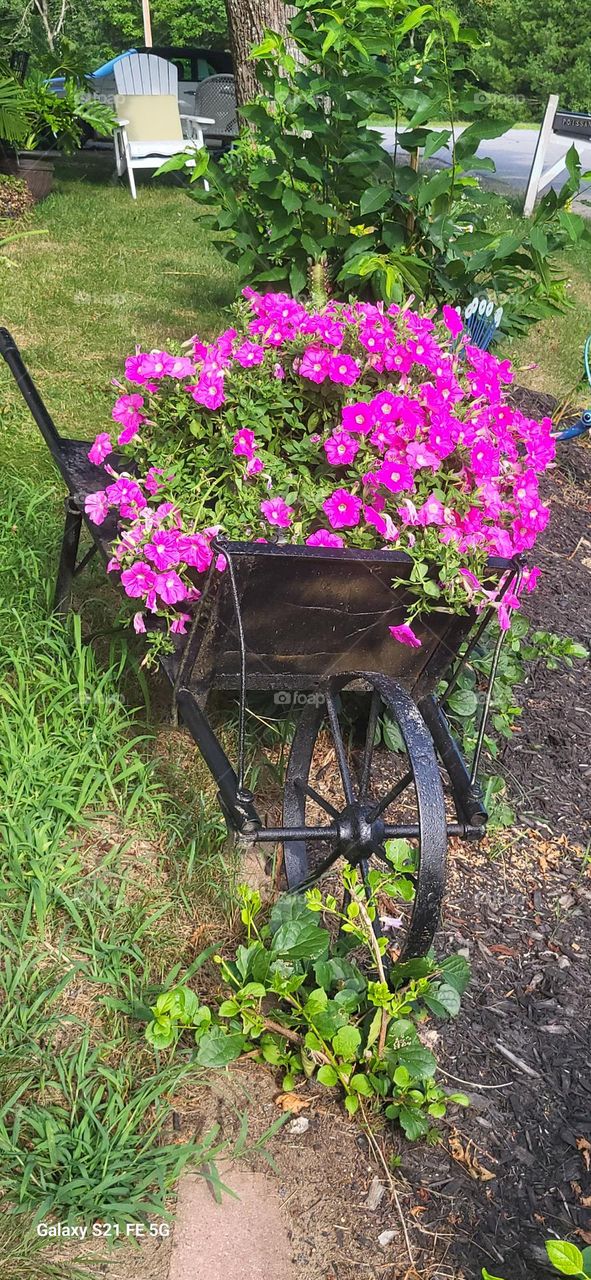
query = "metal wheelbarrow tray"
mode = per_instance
[{"x": 306, "y": 624}]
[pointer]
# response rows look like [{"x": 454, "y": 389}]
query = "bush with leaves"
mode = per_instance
[
  {"x": 314, "y": 185},
  {"x": 317, "y": 1003}
]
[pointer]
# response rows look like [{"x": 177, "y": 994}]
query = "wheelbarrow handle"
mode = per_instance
[{"x": 29, "y": 392}]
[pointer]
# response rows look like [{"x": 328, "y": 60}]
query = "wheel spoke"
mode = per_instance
[
  {"x": 372, "y": 722},
  {"x": 305, "y": 789},
  {"x": 339, "y": 747},
  {"x": 391, "y": 795}
]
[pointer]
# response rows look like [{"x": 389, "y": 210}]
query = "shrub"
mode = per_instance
[
  {"x": 16, "y": 200},
  {"x": 354, "y": 425},
  {"x": 307, "y": 1005},
  {"x": 315, "y": 185}
]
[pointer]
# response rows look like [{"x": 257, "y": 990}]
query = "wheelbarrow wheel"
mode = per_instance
[{"x": 341, "y": 802}]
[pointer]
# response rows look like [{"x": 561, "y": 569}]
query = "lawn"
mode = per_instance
[
  {"x": 117, "y": 874},
  {"x": 101, "y": 882}
]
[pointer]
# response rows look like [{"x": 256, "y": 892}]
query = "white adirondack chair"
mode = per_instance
[{"x": 150, "y": 126}]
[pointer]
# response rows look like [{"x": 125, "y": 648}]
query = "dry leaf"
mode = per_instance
[
  {"x": 585, "y": 1236},
  {"x": 292, "y": 1102},
  {"x": 584, "y": 1147},
  {"x": 469, "y": 1159}
]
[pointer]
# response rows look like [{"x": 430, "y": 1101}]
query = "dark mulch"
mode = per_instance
[
  {"x": 522, "y": 912},
  {"x": 548, "y": 763}
]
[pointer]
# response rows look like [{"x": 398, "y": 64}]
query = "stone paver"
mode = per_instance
[{"x": 243, "y": 1239}]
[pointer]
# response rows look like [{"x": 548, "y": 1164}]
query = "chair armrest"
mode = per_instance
[
  {"x": 198, "y": 119},
  {"x": 122, "y": 123}
]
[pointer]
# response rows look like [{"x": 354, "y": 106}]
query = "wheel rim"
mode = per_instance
[{"x": 356, "y": 826}]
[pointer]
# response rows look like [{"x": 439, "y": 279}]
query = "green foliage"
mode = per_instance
[
  {"x": 533, "y": 48},
  {"x": 315, "y": 185},
  {"x": 566, "y": 1258},
  {"x": 61, "y": 121},
  {"x": 310, "y": 1007},
  {"x": 93, "y": 33}
]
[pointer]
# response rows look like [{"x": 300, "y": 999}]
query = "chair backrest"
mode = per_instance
[
  {"x": 146, "y": 74},
  {"x": 216, "y": 97},
  {"x": 151, "y": 117}
]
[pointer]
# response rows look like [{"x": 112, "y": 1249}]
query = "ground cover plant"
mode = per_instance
[{"x": 309, "y": 1006}]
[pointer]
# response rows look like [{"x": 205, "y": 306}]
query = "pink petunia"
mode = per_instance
[
  {"x": 170, "y": 587},
  {"x": 404, "y": 634},
  {"x": 163, "y": 551},
  {"x": 249, "y": 353},
  {"x": 343, "y": 509},
  {"x": 244, "y": 443},
  {"x": 357, "y": 417},
  {"x": 126, "y": 410},
  {"x": 452, "y": 320},
  {"x": 195, "y": 551},
  {"x": 314, "y": 364},
  {"x": 96, "y": 506},
  {"x": 139, "y": 579},
  {"x": 343, "y": 369},
  {"x": 277, "y": 512},
  {"x": 180, "y": 623},
  {"x": 254, "y": 467},
  {"x": 209, "y": 391},
  {"x": 101, "y": 448},
  {"x": 340, "y": 448},
  {"x": 395, "y": 476},
  {"x": 139, "y": 625},
  {"x": 324, "y": 538}
]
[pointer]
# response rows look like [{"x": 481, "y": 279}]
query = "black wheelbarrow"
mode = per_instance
[{"x": 309, "y": 625}]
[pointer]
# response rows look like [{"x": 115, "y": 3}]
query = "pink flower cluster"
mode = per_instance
[{"x": 417, "y": 440}]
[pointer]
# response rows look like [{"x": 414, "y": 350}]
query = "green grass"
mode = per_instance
[
  {"x": 109, "y": 273},
  {"x": 108, "y": 865}
]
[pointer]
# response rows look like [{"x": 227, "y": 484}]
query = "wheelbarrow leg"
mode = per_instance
[{"x": 69, "y": 552}]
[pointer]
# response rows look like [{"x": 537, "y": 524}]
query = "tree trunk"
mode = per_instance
[{"x": 247, "y": 20}]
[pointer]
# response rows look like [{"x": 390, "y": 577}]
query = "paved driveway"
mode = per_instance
[{"x": 513, "y": 154}]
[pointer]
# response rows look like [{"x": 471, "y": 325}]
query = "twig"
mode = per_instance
[
  {"x": 379, "y": 1153},
  {"x": 472, "y": 1083},
  {"x": 516, "y": 1062}
]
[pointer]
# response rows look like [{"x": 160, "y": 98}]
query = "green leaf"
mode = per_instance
[
  {"x": 567, "y": 1258},
  {"x": 327, "y": 1075},
  {"x": 297, "y": 940},
  {"x": 419, "y": 1062},
  {"x": 217, "y": 1047},
  {"x": 291, "y": 200},
  {"x": 414, "y": 1124},
  {"x": 413, "y": 19},
  {"x": 463, "y": 702},
  {"x": 456, "y": 972},
  {"x": 360, "y": 1084},
  {"x": 374, "y": 198},
  {"x": 316, "y": 1003},
  {"x": 346, "y": 1042},
  {"x": 487, "y": 1276},
  {"x": 444, "y": 1001},
  {"x": 352, "y": 1103}
]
